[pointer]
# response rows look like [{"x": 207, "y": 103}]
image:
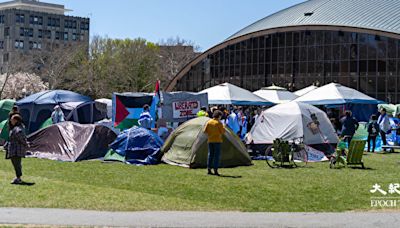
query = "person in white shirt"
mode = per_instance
[{"x": 57, "y": 116}]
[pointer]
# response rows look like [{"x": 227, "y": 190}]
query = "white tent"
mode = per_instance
[
  {"x": 276, "y": 94},
  {"x": 335, "y": 94},
  {"x": 303, "y": 91},
  {"x": 290, "y": 121},
  {"x": 229, "y": 94}
]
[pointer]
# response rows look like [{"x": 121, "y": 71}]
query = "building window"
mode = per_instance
[
  {"x": 74, "y": 37},
  {"x": 28, "y": 32},
  {"x": 57, "y": 35},
  {"x": 35, "y": 20},
  {"x": 20, "y": 18},
  {"x": 7, "y": 31},
  {"x": 2, "y": 19},
  {"x": 65, "y": 35},
  {"x": 6, "y": 57},
  {"x": 19, "y": 44},
  {"x": 85, "y": 25},
  {"x": 71, "y": 24},
  {"x": 40, "y": 33},
  {"x": 53, "y": 22},
  {"x": 1, "y": 44},
  {"x": 35, "y": 45},
  {"x": 47, "y": 34}
]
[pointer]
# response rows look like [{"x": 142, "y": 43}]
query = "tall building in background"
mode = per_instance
[{"x": 30, "y": 25}]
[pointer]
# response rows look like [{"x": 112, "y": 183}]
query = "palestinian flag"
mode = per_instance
[
  {"x": 127, "y": 108},
  {"x": 157, "y": 90}
]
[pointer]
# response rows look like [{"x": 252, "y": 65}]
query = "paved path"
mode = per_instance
[{"x": 195, "y": 219}]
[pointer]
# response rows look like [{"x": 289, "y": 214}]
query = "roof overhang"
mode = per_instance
[{"x": 44, "y": 8}]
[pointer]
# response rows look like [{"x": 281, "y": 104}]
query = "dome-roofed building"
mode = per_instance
[{"x": 355, "y": 43}]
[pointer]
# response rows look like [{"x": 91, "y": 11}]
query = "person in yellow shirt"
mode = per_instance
[{"x": 214, "y": 130}]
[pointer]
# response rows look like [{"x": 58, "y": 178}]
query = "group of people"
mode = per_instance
[
  {"x": 376, "y": 126},
  {"x": 240, "y": 120},
  {"x": 146, "y": 121},
  {"x": 236, "y": 120}
]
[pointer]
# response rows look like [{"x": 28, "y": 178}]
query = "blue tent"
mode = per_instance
[
  {"x": 37, "y": 108},
  {"x": 138, "y": 146}
]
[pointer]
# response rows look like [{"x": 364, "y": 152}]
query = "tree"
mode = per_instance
[
  {"x": 52, "y": 62},
  {"x": 113, "y": 65},
  {"x": 11, "y": 69},
  {"x": 20, "y": 85},
  {"x": 175, "y": 53}
]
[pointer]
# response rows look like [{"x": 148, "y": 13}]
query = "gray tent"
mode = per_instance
[
  {"x": 84, "y": 112},
  {"x": 69, "y": 141}
]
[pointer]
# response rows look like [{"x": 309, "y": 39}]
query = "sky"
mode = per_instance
[{"x": 205, "y": 22}]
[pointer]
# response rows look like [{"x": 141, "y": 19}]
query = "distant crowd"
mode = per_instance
[{"x": 239, "y": 119}]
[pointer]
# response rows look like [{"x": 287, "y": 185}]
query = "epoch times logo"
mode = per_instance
[{"x": 385, "y": 199}]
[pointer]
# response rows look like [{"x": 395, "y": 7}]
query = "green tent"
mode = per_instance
[
  {"x": 46, "y": 123},
  {"x": 187, "y": 147},
  {"x": 4, "y": 132},
  {"x": 114, "y": 156},
  {"x": 5, "y": 108}
]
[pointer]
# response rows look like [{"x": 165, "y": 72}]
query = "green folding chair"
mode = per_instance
[{"x": 355, "y": 153}]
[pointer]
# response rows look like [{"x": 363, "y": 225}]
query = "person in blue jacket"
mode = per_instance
[
  {"x": 233, "y": 122},
  {"x": 349, "y": 126}
]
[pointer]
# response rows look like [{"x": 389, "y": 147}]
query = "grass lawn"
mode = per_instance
[{"x": 114, "y": 186}]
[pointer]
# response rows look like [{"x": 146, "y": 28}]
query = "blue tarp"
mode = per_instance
[
  {"x": 37, "y": 108},
  {"x": 139, "y": 146},
  {"x": 53, "y": 97},
  {"x": 362, "y": 112}
]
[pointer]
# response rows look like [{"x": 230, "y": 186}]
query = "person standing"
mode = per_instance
[
  {"x": 57, "y": 116},
  {"x": 202, "y": 112},
  {"x": 384, "y": 125},
  {"x": 14, "y": 111},
  {"x": 17, "y": 146},
  {"x": 233, "y": 121},
  {"x": 162, "y": 130},
  {"x": 145, "y": 119},
  {"x": 243, "y": 129},
  {"x": 373, "y": 131},
  {"x": 349, "y": 126},
  {"x": 214, "y": 130},
  {"x": 211, "y": 111},
  {"x": 256, "y": 113}
]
